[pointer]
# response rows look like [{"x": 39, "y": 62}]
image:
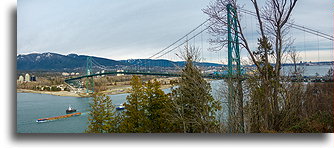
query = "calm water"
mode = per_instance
[
  {"x": 310, "y": 70},
  {"x": 31, "y": 107}
]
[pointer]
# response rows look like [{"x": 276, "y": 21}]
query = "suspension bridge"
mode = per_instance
[{"x": 196, "y": 37}]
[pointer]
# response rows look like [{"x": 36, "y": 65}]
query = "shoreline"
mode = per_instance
[
  {"x": 72, "y": 94},
  {"x": 54, "y": 93}
]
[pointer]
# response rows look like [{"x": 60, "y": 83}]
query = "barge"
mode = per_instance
[{"x": 58, "y": 117}]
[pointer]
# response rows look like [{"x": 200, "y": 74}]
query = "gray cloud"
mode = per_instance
[{"x": 131, "y": 28}]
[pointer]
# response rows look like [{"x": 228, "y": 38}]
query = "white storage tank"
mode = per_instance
[
  {"x": 119, "y": 73},
  {"x": 27, "y": 78},
  {"x": 21, "y": 78}
]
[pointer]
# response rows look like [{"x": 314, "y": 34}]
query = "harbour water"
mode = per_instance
[
  {"x": 31, "y": 106},
  {"x": 309, "y": 70}
]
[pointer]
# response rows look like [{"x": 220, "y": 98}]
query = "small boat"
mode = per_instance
[
  {"x": 70, "y": 110},
  {"x": 120, "y": 107}
]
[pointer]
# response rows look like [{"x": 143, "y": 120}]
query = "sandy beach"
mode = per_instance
[
  {"x": 55, "y": 93},
  {"x": 113, "y": 91}
]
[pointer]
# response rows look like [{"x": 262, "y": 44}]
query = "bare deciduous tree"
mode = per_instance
[{"x": 273, "y": 26}]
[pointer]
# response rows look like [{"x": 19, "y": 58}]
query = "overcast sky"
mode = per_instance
[{"x": 137, "y": 29}]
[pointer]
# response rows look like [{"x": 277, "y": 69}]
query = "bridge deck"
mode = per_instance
[
  {"x": 144, "y": 73},
  {"x": 211, "y": 76}
]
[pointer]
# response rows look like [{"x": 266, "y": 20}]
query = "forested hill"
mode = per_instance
[
  {"x": 58, "y": 62},
  {"x": 53, "y": 61}
]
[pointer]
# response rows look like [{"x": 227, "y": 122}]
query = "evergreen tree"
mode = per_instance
[
  {"x": 194, "y": 109},
  {"x": 146, "y": 110},
  {"x": 156, "y": 108},
  {"x": 102, "y": 116},
  {"x": 134, "y": 120}
]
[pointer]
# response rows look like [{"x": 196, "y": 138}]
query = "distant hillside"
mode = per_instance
[
  {"x": 58, "y": 62},
  {"x": 55, "y": 62}
]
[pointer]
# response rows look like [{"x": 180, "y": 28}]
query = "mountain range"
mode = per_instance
[{"x": 58, "y": 62}]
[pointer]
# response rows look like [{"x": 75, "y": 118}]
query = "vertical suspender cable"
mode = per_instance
[
  {"x": 318, "y": 47},
  {"x": 304, "y": 46},
  {"x": 194, "y": 46},
  {"x": 202, "y": 46}
]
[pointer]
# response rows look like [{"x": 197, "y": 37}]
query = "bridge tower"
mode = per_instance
[
  {"x": 235, "y": 94},
  {"x": 89, "y": 80}
]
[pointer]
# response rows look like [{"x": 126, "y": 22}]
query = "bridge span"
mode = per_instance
[{"x": 210, "y": 76}]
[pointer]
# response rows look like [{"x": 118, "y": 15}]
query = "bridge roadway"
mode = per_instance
[
  {"x": 210, "y": 76},
  {"x": 144, "y": 73}
]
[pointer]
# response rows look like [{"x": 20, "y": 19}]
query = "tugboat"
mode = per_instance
[
  {"x": 70, "y": 110},
  {"x": 120, "y": 107}
]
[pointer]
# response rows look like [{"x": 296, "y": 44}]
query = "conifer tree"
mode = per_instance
[
  {"x": 102, "y": 117},
  {"x": 134, "y": 120},
  {"x": 156, "y": 108},
  {"x": 146, "y": 110},
  {"x": 194, "y": 107}
]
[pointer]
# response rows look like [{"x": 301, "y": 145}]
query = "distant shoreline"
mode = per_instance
[
  {"x": 55, "y": 93},
  {"x": 72, "y": 94},
  {"x": 66, "y": 93}
]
